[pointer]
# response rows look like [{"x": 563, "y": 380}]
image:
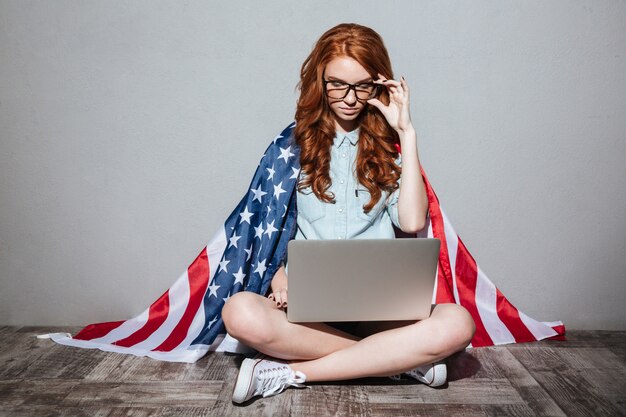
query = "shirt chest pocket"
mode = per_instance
[
  {"x": 309, "y": 206},
  {"x": 363, "y": 197}
]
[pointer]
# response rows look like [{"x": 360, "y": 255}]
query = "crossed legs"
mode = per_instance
[{"x": 324, "y": 353}]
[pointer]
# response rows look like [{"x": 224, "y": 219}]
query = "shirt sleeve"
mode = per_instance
[
  {"x": 392, "y": 205},
  {"x": 392, "y": 208}
]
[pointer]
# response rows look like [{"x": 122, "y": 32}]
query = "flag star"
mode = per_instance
[
  {"x": 278, "y": 190},
  {"x": 245, "y": 215},
  {"x": 258, "y": 232},
  {"x": 296, "y": 171},
  {"x": 285, "y": 153},
  {"x": 271, "y": 171},
  {"x": 260, "y": 268},
  {"x": 233, "y": 240},
  {"x": 227, "y": 297},
  {"x": 223, "y": 266},
  {"x": 270, "y": 229},
  {"x": 269, "y": 209},
  {"x": 239, "y": 276},
  {"x": 213, "y": 290},
  {"x": 249, "y": 252},
  {"x": 277, "y": 137},
  {"x": 285, "y": 206},
  {"x": 258, "y": 194},
  {"x": 212, "y": 322}
]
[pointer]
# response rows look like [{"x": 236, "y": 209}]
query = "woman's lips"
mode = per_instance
[{"x": 349, "y": 111}]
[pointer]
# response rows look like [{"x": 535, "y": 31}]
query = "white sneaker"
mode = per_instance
[
  {"x": 261, "y": 376},
  {"x": 433, "y": 375}
]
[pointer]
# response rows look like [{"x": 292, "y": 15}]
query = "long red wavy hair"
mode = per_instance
[{"x": 315, "y": 126}]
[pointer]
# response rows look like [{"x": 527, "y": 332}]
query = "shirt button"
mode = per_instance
[
  {"x": 341, "y": 182},
  {"x": 343, "y": 155},
  {"x": 340, "y": 210},
  {"x": 339, "y": 237}
]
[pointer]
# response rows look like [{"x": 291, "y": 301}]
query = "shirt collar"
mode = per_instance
[{"x": 352, "y": 137}]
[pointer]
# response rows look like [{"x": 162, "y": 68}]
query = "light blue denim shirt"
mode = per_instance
[{"x": 345, "y": 219}]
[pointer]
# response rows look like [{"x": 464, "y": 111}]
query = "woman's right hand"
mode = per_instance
[
  {"x": 279, "y": 297},
  {"x": 279, "y": 288}
]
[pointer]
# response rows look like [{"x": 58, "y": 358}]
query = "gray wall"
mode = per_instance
[{"x": 130, "y": 130}]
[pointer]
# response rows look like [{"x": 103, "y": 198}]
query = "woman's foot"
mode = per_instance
[
  {"x": 262, "y": 376},
  {"x": 433, "y": 375}
]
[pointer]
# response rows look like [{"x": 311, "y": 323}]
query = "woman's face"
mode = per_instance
[{"x": 347, "y": 109}]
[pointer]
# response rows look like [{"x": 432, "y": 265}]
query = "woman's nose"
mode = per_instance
[{"x": 350, "y": 98}]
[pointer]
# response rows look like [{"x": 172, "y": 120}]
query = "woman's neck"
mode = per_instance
[{"x": 345, "y": 126}]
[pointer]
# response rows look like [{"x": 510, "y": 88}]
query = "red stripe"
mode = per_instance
[
  {"x": 511, "y": 319},
  {"x": 156, "y": 316},
  {"x": 198, "y": 279},
  {"x": 95, "y": 331},
  {"x": 560, "y": 329},
  {"x": 466, "y": 278}
]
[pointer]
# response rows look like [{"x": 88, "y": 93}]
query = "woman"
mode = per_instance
[{"x": 350, "y": 115}]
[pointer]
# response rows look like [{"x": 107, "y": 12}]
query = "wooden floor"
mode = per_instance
[{"x": 583, "y": 376}]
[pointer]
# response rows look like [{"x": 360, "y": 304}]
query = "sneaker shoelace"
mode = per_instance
[{"x": 275, "y": 380}]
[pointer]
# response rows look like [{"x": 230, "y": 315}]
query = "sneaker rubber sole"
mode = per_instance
[{"x": 244, "y": 380}]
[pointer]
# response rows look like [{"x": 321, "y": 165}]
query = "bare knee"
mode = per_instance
[
  {"x": 245, "y": 319},
  {"x": 455, "y": 329}
]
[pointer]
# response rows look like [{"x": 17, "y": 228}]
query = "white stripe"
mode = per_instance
[
  {"x": 178, "y": 302},
  {"x": 486, "y": 304},
  {"x": 453, "y": 247},
  {"x": 430, "y": 235},
  {"x": 191, "y": 354},
  {"x": 215, "y": 250},
  {"x": 538, "y": 329},
  {"x": 197, "y": 324}
]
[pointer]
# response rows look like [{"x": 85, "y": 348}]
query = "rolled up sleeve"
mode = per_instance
[
  {"x": 392, "y": 204},
  {"x": 392, "y": 208}
]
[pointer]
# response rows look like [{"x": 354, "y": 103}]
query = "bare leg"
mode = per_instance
[
  {"x": 256, "y": 321},
  {"x": 390, "y": 352}
]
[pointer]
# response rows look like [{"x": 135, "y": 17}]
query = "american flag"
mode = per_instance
[{"x": 185, "y": 322}]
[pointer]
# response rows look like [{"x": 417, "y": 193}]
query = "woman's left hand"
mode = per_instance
[{"x": 397, "y": 111}]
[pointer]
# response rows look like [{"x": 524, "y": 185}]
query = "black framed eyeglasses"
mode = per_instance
[{"x": 338, "y": 90}]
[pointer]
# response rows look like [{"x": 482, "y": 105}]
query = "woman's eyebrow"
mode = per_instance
[{"x": 358, "y": 82}]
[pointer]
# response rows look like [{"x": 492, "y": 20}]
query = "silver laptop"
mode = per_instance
[{"x": 361, "y": 279}]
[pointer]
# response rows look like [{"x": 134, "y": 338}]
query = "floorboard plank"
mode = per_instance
[
  {"x": 63, "y": 362},
  {"x": 144, "y": 394},
  {"x": 466, "y": 391}
]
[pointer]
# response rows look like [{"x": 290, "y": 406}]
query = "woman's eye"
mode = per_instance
[{"x": 337, "y": 84}]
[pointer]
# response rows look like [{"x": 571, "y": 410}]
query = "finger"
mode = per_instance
[
  {"x": 404, "y": 83},
  {"x": 271, "y": 296},
  {"x": 283, "y": 296},
  {"x": 376, "y": 103},
  {"x": 386, "y": 81}
]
